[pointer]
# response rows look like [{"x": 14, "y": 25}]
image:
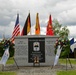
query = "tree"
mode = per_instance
[
  {"x": 59, "y": 30},
  {"x": 63, "y": 40},
  {"x": 56, "y": 27}
]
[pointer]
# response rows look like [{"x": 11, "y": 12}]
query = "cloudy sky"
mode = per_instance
[{"x": 62, "y": 10}]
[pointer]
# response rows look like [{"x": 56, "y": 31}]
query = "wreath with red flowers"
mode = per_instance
[{"x": 65, "y": 45}]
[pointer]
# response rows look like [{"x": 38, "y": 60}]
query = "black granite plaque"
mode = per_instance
[{"x": 36, "y": 48}]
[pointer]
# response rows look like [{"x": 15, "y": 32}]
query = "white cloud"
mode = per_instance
[
  {"x": 63, "y": 10},
  {"x": 7, "y": 31},
  {"x": 68, "y": 17},
  {"x": 72, "y": 30},
  {"x": 43, "y": 30}
]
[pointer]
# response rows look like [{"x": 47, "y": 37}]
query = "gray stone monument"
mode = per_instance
[{"x": 27, "y": 47}]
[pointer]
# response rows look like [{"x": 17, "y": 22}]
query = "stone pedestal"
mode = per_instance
[{"x": 31, "y": 46}]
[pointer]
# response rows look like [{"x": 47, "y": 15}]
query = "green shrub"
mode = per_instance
[{"x": 11, "y": 48}]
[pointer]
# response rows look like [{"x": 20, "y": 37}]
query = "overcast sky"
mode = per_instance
[{"x": 62, "y": 10}]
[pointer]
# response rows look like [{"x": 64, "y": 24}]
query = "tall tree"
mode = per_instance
[
  {"x": 59, "y": 30},
  {"x": 62, "y": 32}
]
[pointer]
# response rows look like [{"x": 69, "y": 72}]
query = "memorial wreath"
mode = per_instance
[{"x": 65, "y": 46}]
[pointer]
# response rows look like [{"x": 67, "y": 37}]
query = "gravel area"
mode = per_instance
[{"x": 48, "y": 70}]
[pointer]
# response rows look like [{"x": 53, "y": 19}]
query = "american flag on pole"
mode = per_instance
[{"x": 16, "y": 31}]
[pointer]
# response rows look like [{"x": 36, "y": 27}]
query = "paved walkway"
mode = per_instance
[{"x": 38, "y": 70}]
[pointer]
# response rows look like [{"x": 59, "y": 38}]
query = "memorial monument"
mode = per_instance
[{"x": 34, "y": 48}]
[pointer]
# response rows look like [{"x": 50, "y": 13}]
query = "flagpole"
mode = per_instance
[{"x": 4, "y": 36}]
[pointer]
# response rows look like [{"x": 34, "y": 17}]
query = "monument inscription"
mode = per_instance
[{"x": 36, "y": 48}]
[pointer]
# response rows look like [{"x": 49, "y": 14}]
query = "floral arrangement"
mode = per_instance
[
  {"x": 6, "y": 44},
  {"x": 65, "y": 44}
]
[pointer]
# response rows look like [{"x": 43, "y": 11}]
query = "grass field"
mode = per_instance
[
  {"x": 73, "y": 72},
  {"x": 63, "y": 61},
  {"x": 8, "y": 73},
  {"x": 10, "y": 61}
]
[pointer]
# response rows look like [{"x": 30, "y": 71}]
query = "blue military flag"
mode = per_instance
[{"x": 71, "y": 43}]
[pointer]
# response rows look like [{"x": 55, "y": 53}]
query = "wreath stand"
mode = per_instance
[
  {"x": 75, "y": 54},
  {"x": 16, "y": 63},
  {"x": 67, "y": 58}
]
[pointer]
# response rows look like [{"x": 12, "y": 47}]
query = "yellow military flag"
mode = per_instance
[{"x": 37, "y": 26}]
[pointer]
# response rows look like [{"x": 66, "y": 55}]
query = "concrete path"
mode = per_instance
[
  {"x": 37, "y": 70},
  {"x": 43, "y": 70}
]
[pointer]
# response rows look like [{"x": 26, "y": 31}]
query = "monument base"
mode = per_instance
[{"x": 31, "y": 46}]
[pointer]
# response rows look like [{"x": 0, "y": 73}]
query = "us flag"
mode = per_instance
[{"x": 16, "y": 31}]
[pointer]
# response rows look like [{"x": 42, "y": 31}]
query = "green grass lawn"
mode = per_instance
[
  {"x": 10, "y": 61},
  {"x": 63, "y": 61},
  {"x": 8, "y": 73},
  {"x": 73, "y": 72}
]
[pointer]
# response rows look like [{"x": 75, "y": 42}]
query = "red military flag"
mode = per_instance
[
  {"x": 37, "y": 26},
  {"x": 49, "y": 30},
  {"x": 16, "y": 31},
  {"x": 27, "y": 26}
]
